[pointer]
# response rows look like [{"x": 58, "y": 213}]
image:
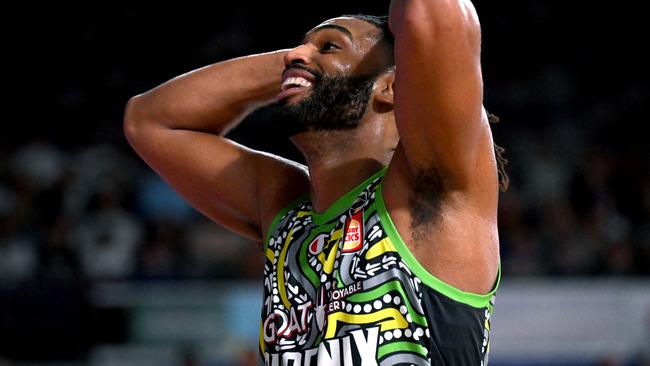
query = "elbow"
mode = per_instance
[
  {"x": 132, "y": 120},
  {"x": 427, "y": 19}
]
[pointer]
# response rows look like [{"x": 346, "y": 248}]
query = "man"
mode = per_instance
[{"x": 384, "y": 250}]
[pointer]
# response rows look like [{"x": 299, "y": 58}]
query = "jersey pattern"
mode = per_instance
[{"x": 341, "y": 288}]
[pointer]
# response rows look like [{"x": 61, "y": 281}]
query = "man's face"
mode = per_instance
[{"x": 329, "y": 78}]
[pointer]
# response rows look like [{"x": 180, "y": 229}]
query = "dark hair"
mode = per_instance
[
  {"x": 499, "y": 153},
  {"x": 381, "y": 23}
]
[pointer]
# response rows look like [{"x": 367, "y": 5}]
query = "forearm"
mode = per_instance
[{"x": 213, "y": 98}]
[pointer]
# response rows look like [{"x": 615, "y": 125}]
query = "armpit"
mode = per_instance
[{"x": 425, "y": 201}]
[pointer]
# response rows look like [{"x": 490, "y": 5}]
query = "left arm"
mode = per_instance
[
  {"x": 439, "y": 90},
  {"x": 442, "y": 184}
]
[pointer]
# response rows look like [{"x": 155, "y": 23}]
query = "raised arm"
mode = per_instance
[
  {"x": 178, "y": 128},
  {"x": 445, "y": 158},
  {"x": 439, "y": 91}
]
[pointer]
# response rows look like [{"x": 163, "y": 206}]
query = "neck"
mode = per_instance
[{"x": 338, "y": 161}]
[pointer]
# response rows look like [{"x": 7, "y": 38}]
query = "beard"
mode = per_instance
[{"x": 335, "y": 103}]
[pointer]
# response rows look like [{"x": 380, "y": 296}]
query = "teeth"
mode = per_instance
[{"x": 299, "y": 81}]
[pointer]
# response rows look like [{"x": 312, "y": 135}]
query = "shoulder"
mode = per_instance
[{"x": 280, "y": 184}]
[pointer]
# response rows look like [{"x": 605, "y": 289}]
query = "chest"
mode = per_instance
[{"x": 324, "y": 280}]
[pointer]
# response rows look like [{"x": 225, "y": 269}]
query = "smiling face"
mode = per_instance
[{"x": 328, "y": 80}]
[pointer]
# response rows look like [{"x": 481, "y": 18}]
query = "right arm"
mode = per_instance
[{"x": 178, "y": 128}]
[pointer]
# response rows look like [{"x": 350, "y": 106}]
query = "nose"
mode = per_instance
[{"x": 298, "y": 55}]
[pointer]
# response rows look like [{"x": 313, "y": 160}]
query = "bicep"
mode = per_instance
[{"x": 220, "y": 178}]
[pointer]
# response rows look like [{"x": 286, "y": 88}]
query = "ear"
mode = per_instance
[{"x": 384, "y": 89}]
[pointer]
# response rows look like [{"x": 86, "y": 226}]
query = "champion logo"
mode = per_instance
[{"x": 316, "y": 246}]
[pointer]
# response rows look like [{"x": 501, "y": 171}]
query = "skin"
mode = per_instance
[{"x": 425, "y": 121}]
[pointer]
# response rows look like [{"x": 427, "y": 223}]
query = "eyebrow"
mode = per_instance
[{"x": 336, "y": 27}]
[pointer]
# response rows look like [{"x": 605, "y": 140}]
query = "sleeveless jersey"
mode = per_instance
[{"x": 342, "y": 288}]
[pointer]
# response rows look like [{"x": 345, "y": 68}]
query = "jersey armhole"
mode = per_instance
[
  {"x": 468, "y": 298},
  {"x": 281, "y": 213}
]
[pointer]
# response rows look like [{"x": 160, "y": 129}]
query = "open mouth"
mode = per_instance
[
  {"x": 295, "y": 82},
  {"x": 293, "y": 85}
]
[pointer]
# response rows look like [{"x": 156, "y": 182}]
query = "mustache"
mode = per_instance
[{"x": 317, "y": 74}]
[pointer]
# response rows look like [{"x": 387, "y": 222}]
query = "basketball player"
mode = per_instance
[{"x": 384, "y": 248}]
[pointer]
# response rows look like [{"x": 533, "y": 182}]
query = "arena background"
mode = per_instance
[{"x": 101, "y": 264}]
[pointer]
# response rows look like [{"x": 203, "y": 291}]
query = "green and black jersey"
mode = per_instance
[{"x": 342, "y": 288}]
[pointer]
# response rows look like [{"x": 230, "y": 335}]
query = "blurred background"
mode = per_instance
[{"x": 102, "y": 264}]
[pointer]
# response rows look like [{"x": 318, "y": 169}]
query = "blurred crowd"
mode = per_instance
[
  {"x": 589, "y": 217},
  {"x": 72, "y": 219},
  {"x": 97, "y": 214}
]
